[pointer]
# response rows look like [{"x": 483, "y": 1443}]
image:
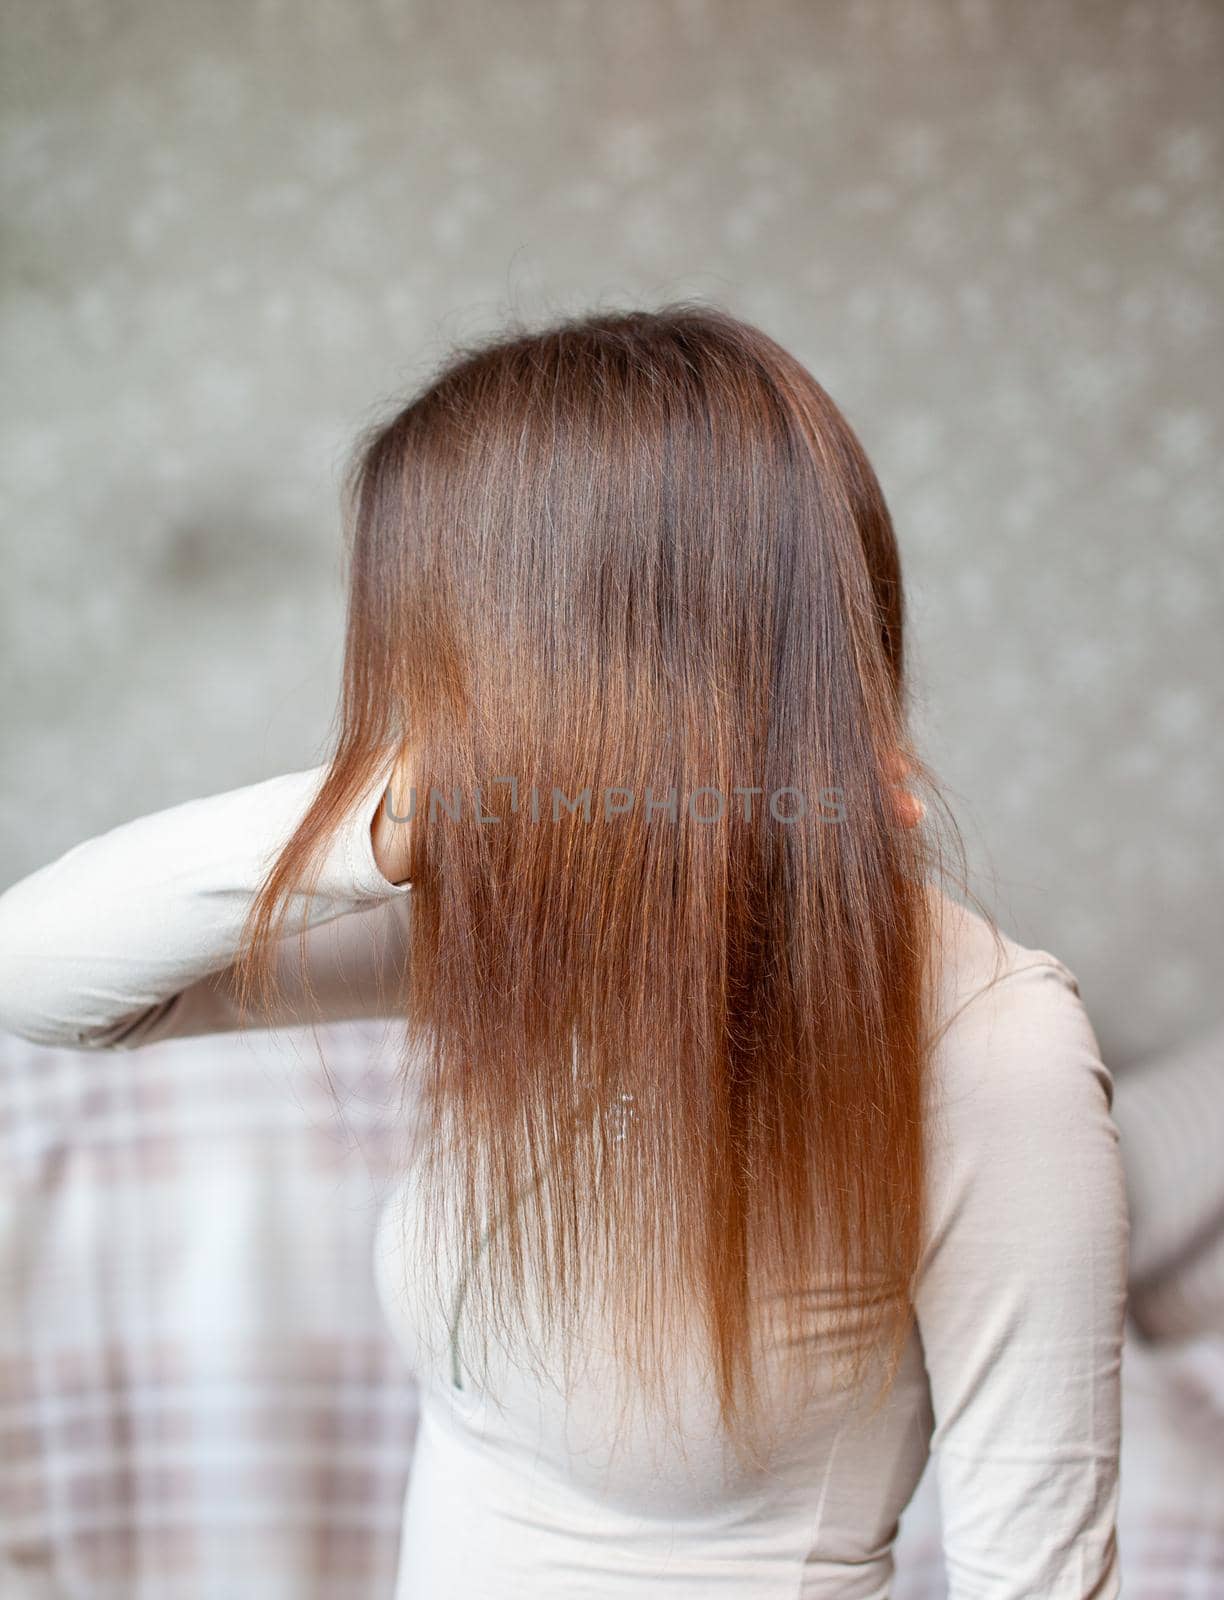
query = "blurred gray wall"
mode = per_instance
[{"x": 993, "y": 231}]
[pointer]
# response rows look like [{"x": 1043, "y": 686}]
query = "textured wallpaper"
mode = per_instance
[{"x": 994, "y": 231}]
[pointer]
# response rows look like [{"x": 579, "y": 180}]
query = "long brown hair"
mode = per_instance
[{"x": 640, "y": 559}]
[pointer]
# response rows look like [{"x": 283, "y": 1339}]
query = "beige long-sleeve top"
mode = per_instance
[{"x": 1011, "y": 1378}]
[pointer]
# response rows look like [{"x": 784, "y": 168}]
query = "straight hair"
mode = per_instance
[{"x": 677, "y": 1054}]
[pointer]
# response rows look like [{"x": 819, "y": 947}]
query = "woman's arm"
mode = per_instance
[
  {"x": 131, "y": 936},
  {"x": 1022, "y": 1298}
]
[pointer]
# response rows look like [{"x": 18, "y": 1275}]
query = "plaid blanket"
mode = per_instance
[{"x": 199, "y": 1399}]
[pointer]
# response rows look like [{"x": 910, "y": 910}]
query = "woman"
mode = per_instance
[{"x": 748, "y": 1165}]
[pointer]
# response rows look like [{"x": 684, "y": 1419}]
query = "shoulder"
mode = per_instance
[
  {"x": 1011, "y": 1031},
  {"x": 1025, "y": 1172}
]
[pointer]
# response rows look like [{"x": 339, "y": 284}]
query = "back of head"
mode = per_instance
[{"x": 626, "y": 593}]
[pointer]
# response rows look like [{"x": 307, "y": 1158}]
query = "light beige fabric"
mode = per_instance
[{"x": 1011, "y": 1379}]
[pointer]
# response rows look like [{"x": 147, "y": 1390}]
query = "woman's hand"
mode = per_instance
[
  {"x": 390, "y": 830},
  {"x": 909, "y": 809}
]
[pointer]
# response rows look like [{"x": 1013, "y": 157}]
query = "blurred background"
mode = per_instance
[{"x": 235, "y": 232}]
